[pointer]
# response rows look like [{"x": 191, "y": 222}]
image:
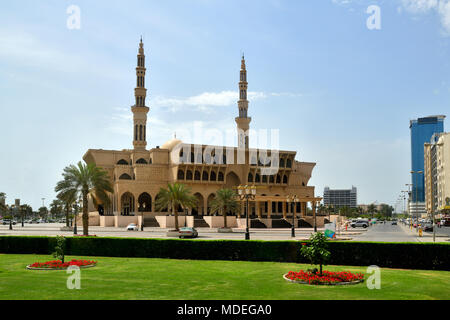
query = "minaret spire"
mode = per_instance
[
  {"x": 243, "y": 121},
  {"x": 139, "y": 109}
]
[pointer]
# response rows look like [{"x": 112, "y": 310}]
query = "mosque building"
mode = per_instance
[{"x": 138, "y": 174}]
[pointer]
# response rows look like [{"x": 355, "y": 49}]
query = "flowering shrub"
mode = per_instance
[
  {"x": 327, "y": 277},
  {"x": 58, "y": 264}
]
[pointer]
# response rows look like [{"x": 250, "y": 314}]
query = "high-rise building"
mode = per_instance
[
  {"x": 339, "y": 198},
  {"x": 422, "y": 129},
  {"x": 437, "y": 173}
]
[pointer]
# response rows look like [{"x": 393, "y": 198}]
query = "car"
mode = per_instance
[
  {"x": 188, "y": 232},
  {"x": 8, "y": 221},
  {"x": 394, "y": 223},
  {"x": 360, "y": 223},
  {"x": 132, "y": 227},
  {"x": 428, "y": 226}
]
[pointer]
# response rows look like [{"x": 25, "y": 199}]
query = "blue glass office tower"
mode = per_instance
[{"x": 422, "y": 130}]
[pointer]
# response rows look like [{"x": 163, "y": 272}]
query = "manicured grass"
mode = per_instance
[{"x": 155, "y": 279}]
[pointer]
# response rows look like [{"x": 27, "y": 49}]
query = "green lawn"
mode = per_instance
[{"x": 132, "y": 278}]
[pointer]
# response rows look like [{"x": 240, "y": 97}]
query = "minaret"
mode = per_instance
[
  {"x": 243, "y": 121},
  {"x": 139, "y": 109}
]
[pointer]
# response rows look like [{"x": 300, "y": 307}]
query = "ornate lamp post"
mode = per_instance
[
  {"x": 294, "y": 199},
  {"x": 246, "y": 193},
  {"x": 142, "y": 216}
]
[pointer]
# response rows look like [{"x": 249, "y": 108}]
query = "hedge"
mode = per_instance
[{"x": 434, "y": 256}]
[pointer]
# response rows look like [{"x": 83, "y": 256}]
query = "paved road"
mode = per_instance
[
  {"x": 401, "y": 233},
  {"x": 379, "y": 232},
  {"x": 204, "y": 233},
  {"x": 387, "y": 233}
]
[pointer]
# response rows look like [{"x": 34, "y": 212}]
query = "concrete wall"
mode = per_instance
[
  {"x": 94, "y": 219},
  {"x": 217, "y": 221},
  {"x": 124, "y": 221},
  {"x": 107, "y": 221},
  {"x": 169, "y": 221}
]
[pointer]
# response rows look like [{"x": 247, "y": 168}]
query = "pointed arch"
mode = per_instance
[{"x": 146, "y": 199}]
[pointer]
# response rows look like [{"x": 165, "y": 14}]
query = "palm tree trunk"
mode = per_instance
[
  {"x": 67, "y": 214},
  {"x": 224, "y": 212},
  {"x": 85, "y": 214},
  {"x": 175, "y": 213}
]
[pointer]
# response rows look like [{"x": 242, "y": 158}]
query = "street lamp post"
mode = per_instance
[
  {"x": 417, "y": 203},
  {"x": 77, "y": 203},
  {"x": 10, "y": 220},
  {"x": 247, "y": 192},
  {"x": 292, "y": 200},
  {"x": 142, "y": 216}
]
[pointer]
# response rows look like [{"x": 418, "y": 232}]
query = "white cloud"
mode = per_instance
[
  {"x": 204, "y": 101},
  {"x": 441, "y": 7}
]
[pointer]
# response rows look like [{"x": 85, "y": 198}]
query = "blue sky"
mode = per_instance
[{"x": 340, "y": 94}]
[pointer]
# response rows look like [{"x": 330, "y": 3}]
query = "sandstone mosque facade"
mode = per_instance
[{"x": 138, "y": 174}]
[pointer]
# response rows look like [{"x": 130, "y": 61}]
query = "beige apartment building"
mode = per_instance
[
  {"x": 437, "y": 174},
  {"x": 139, "y": 173}
]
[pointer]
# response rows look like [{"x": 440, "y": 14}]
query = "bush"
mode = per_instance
[{"x": 391, "y": 255}]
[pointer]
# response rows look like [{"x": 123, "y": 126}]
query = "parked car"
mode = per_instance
[
  {"x": 8, "y": 221},
  {"x": 188, "y": 232},
  {"x": 132, "y": 227},
  {"x": 394, "y": 223},
  {"x": 360, "y": 223}
]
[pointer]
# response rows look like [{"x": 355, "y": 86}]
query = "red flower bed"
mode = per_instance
[
  {"x": 58, "y": 264},
  {"x": 327, "y": 277}
]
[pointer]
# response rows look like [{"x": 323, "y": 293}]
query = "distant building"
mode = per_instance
[
  {"x": 339, "y": 198},
  {"x": 422, "y": 129}
]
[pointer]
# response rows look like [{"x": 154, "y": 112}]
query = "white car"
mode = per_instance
[
  {"x": 360, "y": 223},
  {"x": 132, "y": 227}
]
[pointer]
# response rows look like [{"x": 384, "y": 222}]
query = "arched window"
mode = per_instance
[
  {"x": 180, "y": 175},
  {"x": 212, "y": 176},
  {"x": 197, "y": 175},
  {"x": 125, "y": 177},
  {"x": 272, "y": 179},
  {"x": 220, "y": 176},
  {"x": 189, "y": 175},
  {"x": 264, "y": 179},
  {"x": 250, "y": 177},
  {"x": 141, "y": 161},
  {"x": 136, "y": 132},
  {"x": 285, "y": 179},
  {"x": 257, "y": 178},
  {"x": 205, "y": 176},
  {"x": 122, "y": 162},
  {"x": 282, "y": 163},
  {"x": 140, "y": 132},
  {"x": 278, "y": 178}
]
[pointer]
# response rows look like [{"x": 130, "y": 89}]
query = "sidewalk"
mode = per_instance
[{"x": 426, "y": 236}]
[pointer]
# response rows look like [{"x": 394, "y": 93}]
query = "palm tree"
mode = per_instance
[
  {"x": 56, "y": 208},
  {"x": 86, "y": 180},
  {"x": 67, "y": 195},
  {"x": 174, "y": 196},
  {"x": 225, "y": 201}
]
